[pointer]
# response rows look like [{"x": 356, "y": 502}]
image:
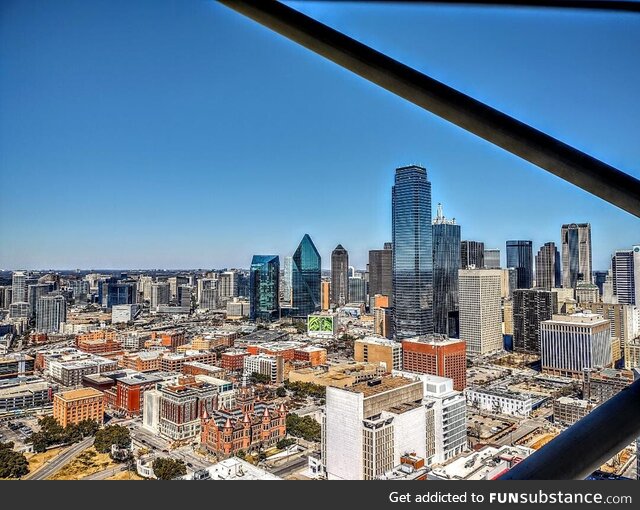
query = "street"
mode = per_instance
[{"x": 54, "y": 465}]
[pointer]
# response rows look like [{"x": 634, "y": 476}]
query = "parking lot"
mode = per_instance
[{"x": 18, "y": 430}]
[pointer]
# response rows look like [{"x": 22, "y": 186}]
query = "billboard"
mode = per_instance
[{"x": 321, "y": 325}]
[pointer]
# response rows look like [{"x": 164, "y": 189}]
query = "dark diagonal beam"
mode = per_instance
[{"x": 558, "y": 158}]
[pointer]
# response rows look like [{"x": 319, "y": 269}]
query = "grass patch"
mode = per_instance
[{"x": 85, "y": 464}]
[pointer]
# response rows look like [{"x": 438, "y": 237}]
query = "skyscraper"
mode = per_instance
[
  {"x": 412, "y": 253},
  {"x": 19, "y": 287},
  {"x": 50, "y": 312},
  {"x": 160, "y": 294},
  {"x": 471, "y": 254},
  {"x": 576, "y": 253},
  {"x": 599, "y": 277},
  {"x": 492, "y": 258},
  {"x": 339, "y": 276},
  {"x": 446, "y": 262},
  {"x": 520, "y": 257},
  {"x": 530, "y": 308},
  {"x": 116, "y": 292},
  {"x": 287, "y": 282},
  {"x": 306, "y": 276},
  {"x": 381, "y": 272},
  {"x": 548, "y": 267},
  {"x": 264, "y": 292},
  {"x": 625, "y": 266},
  {"x": 357, "y": 289},
  {"x": 480, "y": 310},
  {"x": 34, "y": 292}
]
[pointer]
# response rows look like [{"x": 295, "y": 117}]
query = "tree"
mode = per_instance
[
  {"x": 51, "y": 429},
  {"x": 256, "y": 378},
  {"x": 12, "y": 464},
  {"x": 167, "y": 469},
  {"x": 285, "y": 443},
  {"x": 88, "y": 427},
  {"x": 305, "y": 427},
  {"x": 110, "y": 435},
  {"x": 39, "y": 441},
  {"x": 71, "y": 434},
  {"x": 281, "y": 391}
]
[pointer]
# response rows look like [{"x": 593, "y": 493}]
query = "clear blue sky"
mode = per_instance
[{"x": 180, "y": 134}]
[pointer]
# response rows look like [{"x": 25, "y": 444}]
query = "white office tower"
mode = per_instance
[
  {"x": 151, "y": 410},
  {"x": 287, "y": 282},
  {"x": 569, "y": 344},
  {"x": 207, "y": 293},
  {"x": 480, "y": 310},
  {"x": 492, "y": 258},
  {"x": 121, "y": 314},
  {"x": 625, "y": 269},
  {"x": 144, "y": 286},
  {"x": 368, "y": 427},
  {"x": 160, "y": 294},
  {"x": 19, "y": 287},
  {"x": 228, "y": 285},
  {"x": 50, "y": 312}
]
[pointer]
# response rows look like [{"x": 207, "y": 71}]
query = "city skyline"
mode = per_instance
[{"x": 149, "y": 130}]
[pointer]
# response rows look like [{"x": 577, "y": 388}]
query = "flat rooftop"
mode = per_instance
[
  {"x": 79, "y": 394},
  {"x": 370, "y": 388},
  {"x": 433, "y": 340}
]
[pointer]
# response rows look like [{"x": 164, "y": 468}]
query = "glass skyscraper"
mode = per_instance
[
  {"x": 446, "y": 261},
  {"x": 306, "y": 276},
  {"x": 264, "y": 292},
  {"x": 548, "y": 274},
  {"x": 576, "y": 254},
  {"x": 520, "y": 257},
  {"x": 339, "y": 276},
  {"x": 412, "y": 253}
]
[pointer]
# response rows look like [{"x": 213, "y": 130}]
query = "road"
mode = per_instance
[
  {"x": 290, "y": 467},
  {"x": 51, "y": 467},
  {"x": 106, "y": 473}
]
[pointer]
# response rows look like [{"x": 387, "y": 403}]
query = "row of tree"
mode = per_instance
[
  {"x": 12, "y": 464},
  {"x": 52, "y": 433},
  {"x": 304, "y": 427},
  {"x": 304, "y": 389}
]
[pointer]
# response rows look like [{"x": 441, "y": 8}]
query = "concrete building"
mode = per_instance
[
  {"x": 160, "y": 294},
  {"x": 437, "y": 355},
  {"x": 530, "y": 308},
  {"x": 72, "y": 407},
  {"x": 383, "y": 322},
  {"x": 601, "y": 385},
  {"x": 231, "y": 469},
  {"x": 379, "y": 350},
  {"x": 265, "y": 364},
  {"x": 587, "y": 293},
  {"x": 21, "y": 394},
  {"x": 492, "y": 258},
  {"x": 568, "y": 410},
  {"x": 480, "y": 310},
  {"x": 14, "y": 365},
  {"x": 341, "y": 375},
  {"x": 121, "y": 314},
  {"x": 569, "y": 344},
  {"x": 238, "y": 309},
  {"x": 499, "y": 401},
  {"x": 486, "y": 463}
]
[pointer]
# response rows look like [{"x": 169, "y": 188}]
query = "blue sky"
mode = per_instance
[{"x": 180, "y": 134}]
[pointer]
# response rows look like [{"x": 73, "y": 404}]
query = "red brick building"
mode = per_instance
[
  {"x": 233, "y": 360},
  {"x": 437, "y": 355},
  {"x": 250, "y": 425},
  {"x": 128, "y": 394},
  {"x": 313, "y": 355}
]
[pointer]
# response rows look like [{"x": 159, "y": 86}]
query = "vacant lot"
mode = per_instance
[{"x": 85, "y": 464}]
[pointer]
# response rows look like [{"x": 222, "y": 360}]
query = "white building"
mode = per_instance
[
  {"x": 571, "y": 343},
  {"x": 367, "y": 428},
  {"x": 18, "y": 287},
  {"x": 231, "y": 469},
  {"x": 378, "y": 346},
  {"x": 151, "y": 411},
  {"x": 480, "y": 310},
  {"x": 500, "y": 402},
  {"x": 124, "y": 313},
  {"x": 265, "y": 364},
  {"x": 238, "y": 309}
]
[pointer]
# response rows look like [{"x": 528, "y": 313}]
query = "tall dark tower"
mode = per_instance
[
  {"x": 520, "y": 257},
  {"x": 306, "y": 276},
  {"x": 446, "y": 261},
  {"x": 339, "y": 276},
  {"x": 548, "y": 267}
]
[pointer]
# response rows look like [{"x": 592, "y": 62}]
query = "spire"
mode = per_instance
[{"x": 439, "y": 213}]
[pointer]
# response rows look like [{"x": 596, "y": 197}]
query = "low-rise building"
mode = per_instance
[
  {"x": 265, "y": 364},
  {"x": 16, "y": 365},
  {"x": 500, "y": 401},
  {"x": 342, "y": 375},
  {"x": 568, "y": 410},
  {"x": 24, "y": 393},
  {"x": 231, "y": 469},
  {"x": 311, "y": 354},
  {"x": 72, "y": 407},
  {"x": 232, "y": 360},
  {"x": 378, "y": 350},
  {"x": 487, "y": 463}
]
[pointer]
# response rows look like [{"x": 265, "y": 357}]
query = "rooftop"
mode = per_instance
[
  {"x": 79, "y": 394},
  {"x": 375, "y": 387},
  {"x": 435, "y": 339},
  {"x": 577, "y": 318}
]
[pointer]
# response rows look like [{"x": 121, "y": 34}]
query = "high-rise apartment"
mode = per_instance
[
  {"x": 625, "y": 267},
  {"x": 412, "y": 253},
  {"x": 287, "y": 282},
  {"x": 19, "y": 287},
  {"x": 160, "y": 294},
  {"x": 51, "y": 310},
  {"x": 530, "y": 308},
  {"x": 381, "y": 273}
]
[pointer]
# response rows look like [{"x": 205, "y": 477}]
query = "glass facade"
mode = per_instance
[
  {"x": 117, "y": 293},
  {"x": 548, "y": 267},
  {"x": 412, "y": 253},
  {"x": 264, "y": 292},
  {"x": 306, "y": 276},
  {"x": 339, "y": 276},
  {"x": 520, "y": 257},
  {"x": 446, "y": 261}
]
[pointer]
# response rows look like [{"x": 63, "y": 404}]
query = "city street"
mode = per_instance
[{"x": 54, "y": 465}]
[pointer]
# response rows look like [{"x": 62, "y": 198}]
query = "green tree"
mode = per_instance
[
  {"x": 256, "y": 378},
  {"x": 110, "y": 435},
  {"x": 39, "y": 441},
  {"x": 167, "y": 469},
  {"x": 51, "y": 429},
  {"x": 71, "y": 434},
  {"x": 281, "y": 391},
  {"x": 285, "y": 443},
  {"x": 12, "y": 464},
  {"x": 88, "y": 427},
  {"x": 304, "y": 427}
]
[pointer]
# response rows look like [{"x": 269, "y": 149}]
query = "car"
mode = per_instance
[{"x": 189, "y": 464}]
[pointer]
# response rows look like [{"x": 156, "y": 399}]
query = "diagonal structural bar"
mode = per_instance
[
  {"x": 558, "y": 158},
  {"x": 586, "y": 445}
]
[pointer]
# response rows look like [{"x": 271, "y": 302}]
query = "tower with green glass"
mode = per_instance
[
  {"x": 306, "y": 276},
  {"x": 264, "y": 290}
]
